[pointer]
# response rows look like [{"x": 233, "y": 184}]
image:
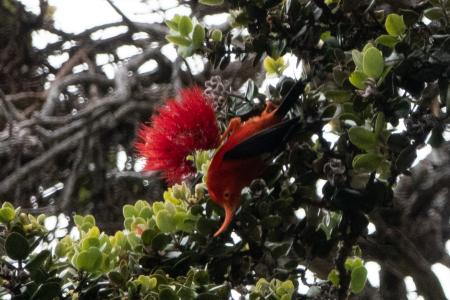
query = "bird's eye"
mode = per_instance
[{"x": 226, "y": 194}]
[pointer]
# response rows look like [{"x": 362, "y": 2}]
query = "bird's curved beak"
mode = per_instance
[{"x": 230, "y": 209}]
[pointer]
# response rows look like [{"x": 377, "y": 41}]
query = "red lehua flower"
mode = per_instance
[{"x": 179, "y": 128}]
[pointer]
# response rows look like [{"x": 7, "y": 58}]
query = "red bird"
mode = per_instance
[{"x": 241, "y": 157}]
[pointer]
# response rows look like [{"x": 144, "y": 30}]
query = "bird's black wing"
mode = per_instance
[
  {"x": 267, "y": 141},
  {"x": 291, "y": 97}
]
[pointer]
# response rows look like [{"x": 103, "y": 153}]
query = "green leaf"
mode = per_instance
[
  {"x": 7, "y": 214},
  {"x": 165, "y": 221},
  {"x": 262, "y": 286},
  {"x": 157, "y": 206},
  {"x": 37, "y": 261},
  {"x": 167, "y": 294},
  {"x": 397, "y": 142},
  {"x": 270, "y": 65},
  {"x": 129, "y": 211},
  {"x": 362, "y": 138},
  {"x": 152, "y": 283},
  {"x": 7, "y": 204},
  {"x": 78, "y": 220},
  {"x": 357, "y": 59},
  {"x": 338, "y": 96},
  {"x": 116, "y": 278},
  {"x": 160, "y": 241},
  {"x": 221, "y": 291},
  {"x": 147, "y": 236},
  {"x": 198, "y": 36},
  {"x": 147, "y": 282},
  {"x": 188, "y": 225},
  {"x": 138, "y": 220},
  {"x": 325, "y": 35},
  {"x": 380, "y": 123},
  {"x": 351, "y": 116},
  {"x": 172, "y": 25},
  {"x": 384, "y": 170},
  {"x": 366, "y": 162},
  {"x": 286, "y": 297},
  {"x": 47, "y": 291},
  {"x": 141, "y": 204},
  {"x": 171, "y": 196},
  {"x": 196, "y": 209},
  {"x": 368, "y": 46},
  {"x": 211, "y": 2},
  {"x": 180, "y": 217},
  {"x": 146, "y": 213},
  {"x": 185, "y": 26},
  {"x": 333, "y": 277},
  {"x": 406, "y": 158},
  {"x": 186, "y": 293},
  {"x": 271, "y": 221},
  {"x": 134, "y": 241},
  {"x": 348, "y": 265},
  {"x": 60, "y": 249},
  {"x": 339, "y": 76},
  {"x": 358, "y": 79},
  {"x": 386, "y": 71},
  {"x": 89, "y": 219},
  {"x": 216, "y": 35},
  {"x": 89, "y": 260},
  {"x": 357, "y": 262},
  {"x": 352, "y": 263},
  {"x": 395, "y": 25},
  {"x": 358, "y": 279},
  {"x": 286, "y": 288},
  {"x": 86, "y": 226},
  {"x": 434, "y": 13},
  {"x": 207, "y": 296},
  {"x": 331, "y": 111},
  {"x": 16, "y": 246},
  {"x": 41, "y": 219},
  {"x": 205, "y": 226},
  {"x": 127, "y": 223},
  {"x": 387, "y": 40},
  {"x": 90, "y": 242},
  {"x": 373, "y": 62},
  {"x": 185, "y": 51},
  {"x": 178, "y": 40},
  {"x": 201, "y": 277},
  {"x": 435, "y": 2}
]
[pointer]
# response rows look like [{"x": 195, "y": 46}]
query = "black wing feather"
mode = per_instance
[
  {"x": 290, "y": 98},
  {"x": 267, "y": 141}
]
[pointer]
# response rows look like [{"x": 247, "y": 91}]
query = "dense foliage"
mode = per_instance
[
  {"x": 369, "y": 66},
  {"x": 152, "y": 258}
]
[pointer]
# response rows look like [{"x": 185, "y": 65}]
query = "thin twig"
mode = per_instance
[
  {"x": 70, "y": 182},
  {"x": 130, "y": 24}
]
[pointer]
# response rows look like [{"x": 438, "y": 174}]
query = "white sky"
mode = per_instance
[{"x": 77, "y": 15}]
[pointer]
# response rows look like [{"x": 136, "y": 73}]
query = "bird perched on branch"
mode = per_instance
[{"x": 244, "y": 150}]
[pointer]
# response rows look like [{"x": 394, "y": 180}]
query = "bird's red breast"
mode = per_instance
[{"x": 230, "y": 176}]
